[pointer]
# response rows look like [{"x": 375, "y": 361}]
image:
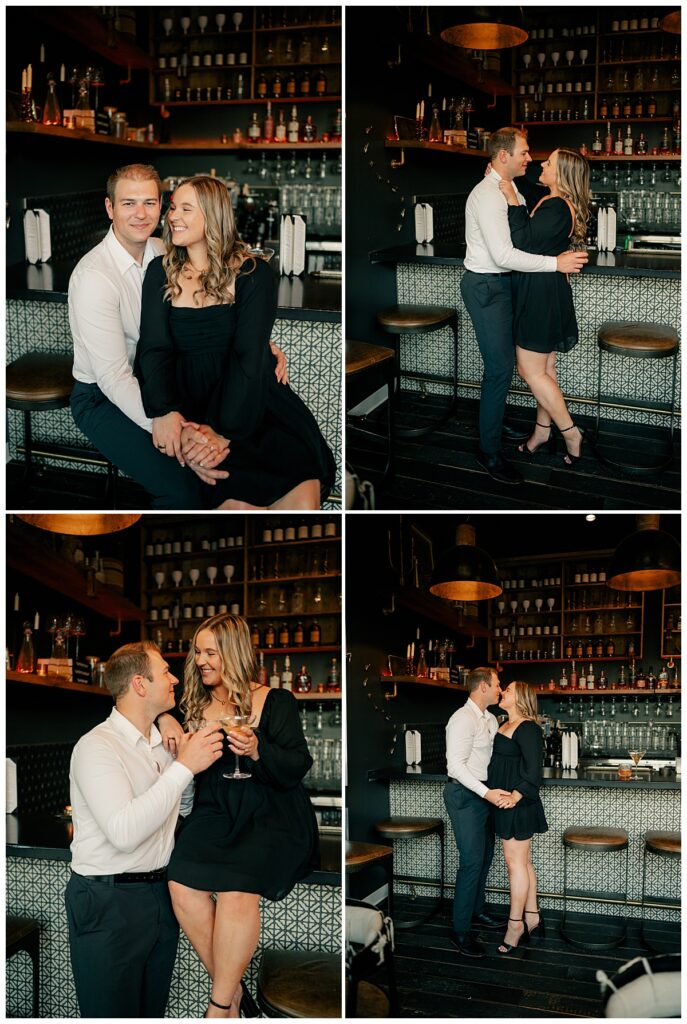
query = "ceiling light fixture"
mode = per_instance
[
  {"x": 466, "y": 572},
  {"x": 649, "y": 559},
  {"x": 82, "y": 524},
  {"x": 487, "y": 28},
  {"x": 672, "y": 23}
]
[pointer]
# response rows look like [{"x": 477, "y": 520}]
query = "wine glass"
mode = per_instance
[
  {"x": 526, "y": 604},
  {"x": 177, "y": 576},
  {"x": 636, "y": 756},
  {"x": 501, "y": 607},
  {"x": 159, "y": 579},
  {"x": 527, "y": 60},
  {"x": 211, "y": 573},
  {"x": 194, "y": 575},
  {"x": 78, "y": 628},
  {"x": 230, "y": 724},
  {"x": 185, "y": 23},
  {"x": 569, "y": 56},
  {"x": 220, "y": 21},
  {"x": 237, "y": 18},
  {"x": 513, "y": 606},
  {"x": 555, "y": 57},
  {"x": 228, "y": 571},
  {"x": 550, "y": 601},
  {"x": 167, "y": 24},
  {"x": 538, "y": 603},
  {"x": 202, "y": 23},
  {"x": 541, "y": 57},
  {"x": 583, "y": 55}
]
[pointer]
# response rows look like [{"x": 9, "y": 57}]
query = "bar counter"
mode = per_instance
[
  {"x": 613, "y": 286},
  {"x": 569, "y": 800},
  {"x": 37, "y": 853}
]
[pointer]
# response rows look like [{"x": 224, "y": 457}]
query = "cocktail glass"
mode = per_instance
[
  {"x": 228, "y": 571},
  {"x": 550, "y": 601},
  {"x": 583, "y": 55},
  {"x": 527, "y": 59},
  {"x": 220, "y": 21},
  {"x": 526, "y": 604},
  {"x": 636, "y": 756},
  {"x": 238, "y": 724},
  {"x": 202, "y": 23},
  {"x": 237, "y": 18},
  {"x": 569, "y": 56},
  {"x": 538, "y": 603},
  {"x": 177, "y": 576},
  {"x": 159, "y": 579},
  {"x": 185, "y": 24},
  {"x": 211, "y": 573},
  {"x": 167, "y": 24},
  {"x": 194, "y": 576},
  {"x": 555, "y": 57},
  {"x": 501, "y": 607},
  {"x": 541, "y": 57}
]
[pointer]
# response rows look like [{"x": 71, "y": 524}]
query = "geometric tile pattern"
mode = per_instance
[
  {"x": 597, "y": 298},
  {"x": 636, "y": 811},
  {"x": 313, "y": 349},
  {"x": 309, "y": 918}
]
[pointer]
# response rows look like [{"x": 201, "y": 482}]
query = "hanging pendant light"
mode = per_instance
[
  {"x": 466, "y": 572},
  {"x": 82, "y": 524},
  {"x": 672, "y": 23},
  {"x": 487, "y": 28},
  {"x": 649, "y": 559}
]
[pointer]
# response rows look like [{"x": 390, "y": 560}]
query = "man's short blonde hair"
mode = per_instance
[
  {"x": 134, "y": 172},
  {"x": 504, "y": 138},
  {"x": 126, "y": 662}
]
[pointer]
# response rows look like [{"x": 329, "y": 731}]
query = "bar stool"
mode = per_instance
[
  {"x": 369, "y": 948},
  {"x": 298, "y": 983},
  {"x": 638, "y": 341},
  {"x": 360, "y": 856},
  {"x": 597, "y": 840},
  {"x": 369, "y": 367},
  {"x": 406, "y": 320},
  {"x": 23, "y": 935},
  {"x": 658, "y": 844},
  {"x": 398, "y": 827},
  {"x": 41, "y": 382}
]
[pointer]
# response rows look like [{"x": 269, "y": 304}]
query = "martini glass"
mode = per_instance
[
  {"x": 230, "y": 724},
  {"x": 636, "y": 756}
]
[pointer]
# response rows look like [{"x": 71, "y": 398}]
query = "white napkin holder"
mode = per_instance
[
  {"x": 292, "y": 244},
  {"x": 10, "y": 785},
  {"x": 413, "y": 747},
  {"x": 424, "y": 222},
  {"x": 37, "y": 236}
]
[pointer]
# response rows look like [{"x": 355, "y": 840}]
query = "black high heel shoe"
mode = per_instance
[
  {"x": 549, "y": 445},
  {"x": 537, "y": 933},
  {"x": 506, "y": 948},
  {"x": 569, "y": 458}
]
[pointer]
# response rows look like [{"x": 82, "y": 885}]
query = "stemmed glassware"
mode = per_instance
[
  {"x": 541, "y": 57},
  {"x": 220, "y": 21},
  {"x": 527, "y": 60},
  {"x": 583, "y": 55},
  {"x": 230, "y": 724},
  {"x": 228, "y": 571},
  {"x": 237, "y": 18},
  {"x": 194, "y": 576},
  {"x": 526, "y": 604},
  {"x": 555, "y": 57},
  {"x": 78, "y": 629},
  {"x": 501, "y": 607},
  {"x": 167, "y": 24},
  {"x": 636, "y": 756},
  {"x": 550, "y": 601},
  {"x": 538, "y": 603},
  {"x": 202, "y": 23},
  {"x": 185, "y": 24},
  {"x": 569, "y": 56},
  {"x": 177, "y": 576},
  {"x": 211, "y": 573},
  {"x": 513, "y": 606}
]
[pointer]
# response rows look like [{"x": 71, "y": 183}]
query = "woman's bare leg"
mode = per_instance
[
  {"x": 235, "y": 505},
  {"x": 517, "y": 856},
  {"x": 195, "y": 912},
  {"x": 531, "y": 904},
  {"x": 235, "y": 938},
  {"x": 533, "y": 367},
  {"x": 304, "y": 496}
]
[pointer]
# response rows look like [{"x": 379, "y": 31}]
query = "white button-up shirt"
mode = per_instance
[
  {"x": 105, "y": 318},
  {"x": 487, "y": 233},
  {"x": 126, "y": 795},
  {"x": 469, "y": 741}
]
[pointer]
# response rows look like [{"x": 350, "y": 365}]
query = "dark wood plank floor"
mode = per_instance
[
  {"x": 439, "y": 471},
  {"x": 68, "y": 489},
  {"x": 551, "y": 979}
]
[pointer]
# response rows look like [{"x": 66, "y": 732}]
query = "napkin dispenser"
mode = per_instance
[
  {"x": 10, "y": 785},
  {"x": 424, "y": 222},
  {"x": 413, "y": 747},
  {"x": 37, "y": 236}
]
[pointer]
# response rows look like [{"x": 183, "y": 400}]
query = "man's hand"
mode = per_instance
[
  {"x": 171, "y": 732},
  {"x": 209, "y": 476},
  {"x": 198, "y": 750},
  {"x": 167, "y": 434},
  {"x": 281, "y": 371},
  {"x": 571, "y": 262},
  {"x": 497, "y": 797},
  {"x": 487, "y": 169},
  {"x": 202, "y": 446}
]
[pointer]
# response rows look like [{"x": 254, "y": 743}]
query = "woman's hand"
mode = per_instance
[
  {"x": 281, "y": 371},
  {"x": 508, "y": 190},
  {"x": 488, "y": 169},
  {"x": 171, "y": 733},
  {"x": 203, "y": 447},
  {"x": 244, "y": 743},
  {"x": 167, "y": 434}
]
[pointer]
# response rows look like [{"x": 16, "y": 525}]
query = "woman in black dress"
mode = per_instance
[
  {"x": 245, "y": 838},
  {"x": 203, "y": 357},
  {"x": 515, "y": 766},
  {"x": 543, "y": 312}
]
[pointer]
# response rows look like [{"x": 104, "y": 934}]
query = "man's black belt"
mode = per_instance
[
  {"x": 459, "y": 783},
  {"x": 160, "y": 875},
  {"x": 502, "y": 273}
]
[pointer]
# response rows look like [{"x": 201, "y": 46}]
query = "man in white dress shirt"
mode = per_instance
[
  {"x": 486, "y": 289},
  {"x": 469, "y": 740},
  {"x": 126, "y": 795}
]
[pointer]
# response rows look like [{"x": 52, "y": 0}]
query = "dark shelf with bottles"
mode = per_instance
[
  {"x": 293, "y": 543},
  {"x": 199, "y": 553},
  {"x": 279, "y": 616}
]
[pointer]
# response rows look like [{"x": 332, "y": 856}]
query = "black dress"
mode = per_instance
[
  {"x": 254, "y": 835},
  {"x": 516, "y": 764},
  {"x": 214, "y": 365},
  {"x": 543, "y": 312}
]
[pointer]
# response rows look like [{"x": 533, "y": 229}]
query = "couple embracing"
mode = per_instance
[{"x": 176, "y": 381}]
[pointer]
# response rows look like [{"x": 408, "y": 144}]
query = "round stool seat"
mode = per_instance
[
  {"x": 17, "y": 928},
  {"x": 407, "y": 317},
  {"x": 406, "y": 828},
  {"x": 595, "y": 838},
  {"x": 641, "y": 340},
  {"x": 361, "y": 355},
  {"x": 362, "y": 855},
  {"x": 39, "y": 379},
  {"x": 666, "y": 843},
  {"x": 297, "y": 983},
  {"x": 371, "y": 1001}
]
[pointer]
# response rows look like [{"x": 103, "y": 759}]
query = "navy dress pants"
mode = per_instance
[
  {"x": 487, "y": 298},
  {"x": 474, "y": 831}
]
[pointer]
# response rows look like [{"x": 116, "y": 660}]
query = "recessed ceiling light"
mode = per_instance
[{"x": 590, "y": 518}]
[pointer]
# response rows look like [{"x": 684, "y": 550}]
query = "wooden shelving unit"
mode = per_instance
[
  {"x": 47, "y": 131},
  {"x": 54, "y": 682}
]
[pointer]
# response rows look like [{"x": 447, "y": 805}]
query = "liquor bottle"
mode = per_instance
[
  {"x": 308, "y": 130},
  {"x": 284, "y": 635},
  {"x": 262, "y": 670},
  {"x": 293, "y": 128},
  {"x": 303, "y": 681},
  {"x": 615, "y": 109},
  {"x": 622, "y": 681},
  {"x": 640, "y": 679},
  {"x": 603, "y": 108},
  {"x": 277, "y": 86},
  {"x": 590, "y": 677},
  {"x": 603, "y": 680},
  {"x": 579, "y": 649},
  {"x": 298, "y": 635},
  {"x": 291, "y": 88},
  {"x": 663, "y": 678},
  {"x": 261, "y": 87},
  {"x": 422, "y": 670},
  {"x": 631, "y": 648},
  {"x": 589, "y": 648},
  {"x": 639, "y": 107},
  {"x": 651, "y": 679},
  {"x": 627, "y": 106},
  {"x": 270, "y": 635},
  {"x": 574, "y": 681},
  {"x": 563, "y": 681},
  {"x": 610, "y": 647},
  {"x": 651, "y": 107},
  {"x": 268, "y": 125},
  {"x": 599, "y": 647},
  {"x": 435, "y": 132},
  {"x": 315, "y": 634},
  {"x": 333, "y": 684},
  {"x": 255, "y": 635},
  {"x": 320, "y": 83},
  {"x": 664, "y": 149},
  {"x": 336, "y": 137},
  {"x": 280, "y": 128},
  {"x": 305, "y": 87},
  {"x": 597, "y": 145},
  {"x": 568, "y": 648},
  {"x": 274, "y": 676},
  {"x": 253, "y": 133},
  {"x": 628, "y": 144},
  {"x": 618, "y": 145},
  {"x": 51, "y": 108},
  {"x": 608, "y": 140},
  {"x": 287, "y": 675},
  {"x": 26, "y": 659}
]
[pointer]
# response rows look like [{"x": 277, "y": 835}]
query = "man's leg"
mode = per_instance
[
  {"x": 469, "y": 816},
  {"x": 488, "y": 301},
  {"x": 131, "y": 448},
  {"x": 159, "y": 967}
]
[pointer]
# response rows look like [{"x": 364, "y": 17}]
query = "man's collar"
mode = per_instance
[
  {"x": 476, "y": 708},
  {"x": 122, "y": 258},
  {"x": 121, "y": 724},
  {"x": 495, "y": 173}
]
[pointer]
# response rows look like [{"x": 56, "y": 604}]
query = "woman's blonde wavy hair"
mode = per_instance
[
  {"x": 526, "y": 700},
  {"x": 572, "y": 174},
  {"x": 226, "y": 251},
  {"x": 238, "y": 667}
]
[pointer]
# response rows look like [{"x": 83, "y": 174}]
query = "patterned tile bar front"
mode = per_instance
[
  {"x": 637, "y": 811},
  {"x": 597, "y": 298},
  {"x": 309, "y": 918}
]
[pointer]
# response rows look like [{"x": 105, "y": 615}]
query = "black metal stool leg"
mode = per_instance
[{"x": 28, "y": 445}]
